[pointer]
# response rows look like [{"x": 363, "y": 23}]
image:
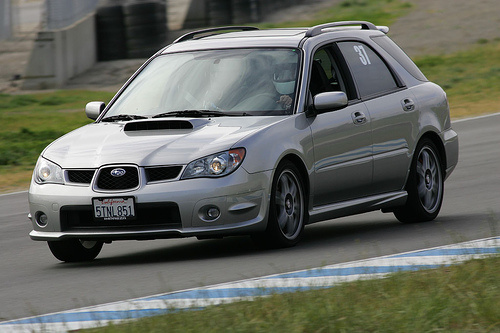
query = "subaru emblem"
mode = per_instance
[{"x": 118, "y": 172}]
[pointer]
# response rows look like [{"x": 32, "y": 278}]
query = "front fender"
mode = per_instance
[{"x": 267, "y": 147}]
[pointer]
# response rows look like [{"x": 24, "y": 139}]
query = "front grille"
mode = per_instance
[
  {"x": 148, "y": 216},
  {"x": 129, "y": 180},
  {"x": 80, "y": 176},
  {"x": 162, "y": 173}
]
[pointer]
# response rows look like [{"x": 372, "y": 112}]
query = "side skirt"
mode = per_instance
[{"x": 357, "y": 206}]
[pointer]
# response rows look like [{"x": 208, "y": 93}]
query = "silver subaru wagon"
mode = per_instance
[{"x": 240, "y": 131}]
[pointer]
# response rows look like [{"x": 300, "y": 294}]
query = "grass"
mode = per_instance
[
  {"x": 470, "y": 78},
  {"x": 459, "y": 298},
  {"x": 383, "y": 12},
  {"x": 30, "y": 122}
]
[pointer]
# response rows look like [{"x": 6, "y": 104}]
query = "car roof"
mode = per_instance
[
  {"x": 244, "y": 36},
  {"x": 253, "y": 38}
]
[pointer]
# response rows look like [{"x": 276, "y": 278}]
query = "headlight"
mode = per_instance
[
  {"x": 48, "y": 172},
  {"x": 215, "y": 165}
]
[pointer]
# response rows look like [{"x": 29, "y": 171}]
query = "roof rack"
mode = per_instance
[
  {"x": 318, "y": 29},
  {"x": 192, "y": 35}
]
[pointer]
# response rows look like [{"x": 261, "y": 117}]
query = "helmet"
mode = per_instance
[{"x": 284, "y": 77}]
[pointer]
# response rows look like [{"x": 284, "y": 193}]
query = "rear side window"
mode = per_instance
[
  {"x": 370, "y": 72},
  {"x": 395, "y": 51}
]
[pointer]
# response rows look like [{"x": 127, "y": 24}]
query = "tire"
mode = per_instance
[
  {"x": 219, "y": 12},
  {"x": 141, "y": 53},
  {"x": 157, "y": 41},
  {"x": 144, "y": 8},
  {"x": 75, "y": 250},
  {"x": 241, "y": 11},
  {"x": 110, "y": 33},
  {"x": 133, "y": 20},
  {"x": 144, "y": 31},
  {"x": 287, "y": 209},
  {"x": 425, "y": 185},
  {"x": 110, "y": 11}
]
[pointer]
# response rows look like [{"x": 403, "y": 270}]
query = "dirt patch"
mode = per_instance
[
  {"x": 14, "y": 57},
  {"x": 444, "y": 26}
]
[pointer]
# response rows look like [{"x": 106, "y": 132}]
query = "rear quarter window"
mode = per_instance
[
  {"x": 400, "y": 56},
  {"x": 370, "y": 72}
]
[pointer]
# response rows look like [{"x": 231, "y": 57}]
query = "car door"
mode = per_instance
[
  {"x": 342, "y": 138},
  {"x": 392, "y": 109}
]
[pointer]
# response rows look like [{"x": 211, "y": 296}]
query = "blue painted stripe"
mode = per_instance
[
  {"x": 89, "y": 316},
  {"x": 450, "y": 252}
]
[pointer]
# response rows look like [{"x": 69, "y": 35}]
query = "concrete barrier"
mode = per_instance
[
  {"x": 5, "y": 20},
  {"x": 59, "y": 55}
]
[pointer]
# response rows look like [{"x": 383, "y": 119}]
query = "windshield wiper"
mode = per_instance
[
  {"x": 193, "y": 113},
  {"x": 125, "y": 117}
]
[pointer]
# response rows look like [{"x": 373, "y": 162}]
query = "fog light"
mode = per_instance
[
  {"x": 41, "y": 219},
  {"x": 213, "y": 213},
  {"x": 209, "y": 213}
]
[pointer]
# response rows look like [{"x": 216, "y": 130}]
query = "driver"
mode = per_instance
[{"x": 284, "y": 82}]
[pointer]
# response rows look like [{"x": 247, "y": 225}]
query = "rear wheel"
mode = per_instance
[
  {"x": 425, "y": 186},
  {"x": 287, "y": 209},
  {"x": 75, "y": 250}
]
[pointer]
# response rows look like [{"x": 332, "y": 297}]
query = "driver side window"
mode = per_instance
[{"x": 324, "y": 73}]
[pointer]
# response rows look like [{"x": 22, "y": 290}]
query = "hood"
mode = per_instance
[{"x": 169, "y": 141}]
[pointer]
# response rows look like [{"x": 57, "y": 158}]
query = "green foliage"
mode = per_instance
[
  {"x": 468, "y": 77},
  {"x": 461, "y": 298},
  {"x": 15, "y": 101},
  {"x": 380, "y": 12},
  {"x": 24, "y": 146},
  {"x": 31, "y": 122}
]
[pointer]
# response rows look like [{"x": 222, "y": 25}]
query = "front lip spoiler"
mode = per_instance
[
  {"x": 106, "y": 236},
  {"x": 244, "y": 228}
]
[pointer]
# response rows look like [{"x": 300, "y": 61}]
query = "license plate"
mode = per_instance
[{"x": 114, "y": 209}]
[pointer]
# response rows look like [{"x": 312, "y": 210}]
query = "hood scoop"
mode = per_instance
[{"x": 155, "y": 125}]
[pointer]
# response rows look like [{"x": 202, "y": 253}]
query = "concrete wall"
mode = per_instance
[
  {"x": 59, "y": 55},
  {"x": 5, "y": 20}
]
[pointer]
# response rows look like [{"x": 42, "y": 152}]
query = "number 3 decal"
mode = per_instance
[{"x": 363, "y": 56}]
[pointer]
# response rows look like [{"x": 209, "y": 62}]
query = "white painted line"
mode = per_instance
[
  {"x": 474, "y": 118},
  {"x": 13, "y": 193}
]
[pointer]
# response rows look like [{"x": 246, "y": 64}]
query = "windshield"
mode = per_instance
[{"x": 232, "y": 82}]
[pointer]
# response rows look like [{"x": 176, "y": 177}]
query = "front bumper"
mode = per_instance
[{"x": 178, "y": 206}]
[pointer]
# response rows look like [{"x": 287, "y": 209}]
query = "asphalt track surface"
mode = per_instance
[{"x": 32, "y": 282}]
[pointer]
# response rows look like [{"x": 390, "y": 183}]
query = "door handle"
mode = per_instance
[
  {"x": 358, "y": 117},
  {"x": 408, "y": 104}
]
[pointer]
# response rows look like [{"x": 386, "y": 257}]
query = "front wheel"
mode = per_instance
[
  {"x": 425, "y": 185},
  {"x": 287, "y": 209},
  {"x": 75, "y": 250}
]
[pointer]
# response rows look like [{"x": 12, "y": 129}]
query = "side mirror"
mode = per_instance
[
  {"x": 94, "y": 109},
  {"x": 329, "y": 101}
]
